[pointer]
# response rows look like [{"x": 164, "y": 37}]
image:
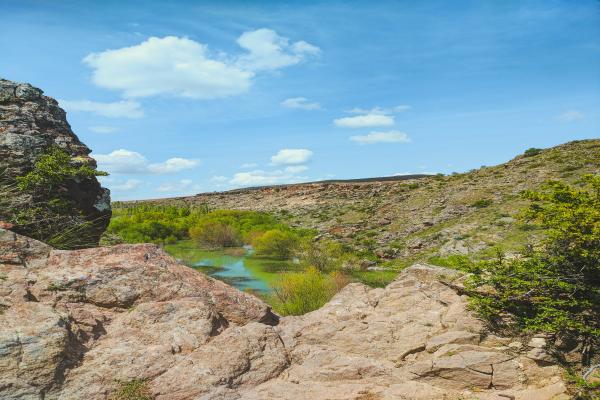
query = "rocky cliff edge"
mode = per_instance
[{"x": 77, "y": 324}]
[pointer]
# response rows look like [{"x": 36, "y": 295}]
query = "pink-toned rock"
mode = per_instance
[{"x": 78, "y": 324}]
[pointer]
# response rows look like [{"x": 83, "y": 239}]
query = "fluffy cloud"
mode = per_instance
[
  {"x": 375, "y": 117},
  {"x": 103, "y": 129},
  {"x": 364, "y": 121},
  {"x": 571, "y": 115},
  {"x": 129, "y": 184},
  {"x": 291, "y": 157},
  {"x": 172, "y": 165},
  {"x": 118, "y": 109},
  {"x": 131, "y": 162},
  {"x": 300, "y": 102},
  {"x": 381, "y": 137},
  {"x": 261, "y": 178},
  {"x": 178, "y": 66},
  {"x": 171, "y": 66},
  {"x": 268, "y": 51}
]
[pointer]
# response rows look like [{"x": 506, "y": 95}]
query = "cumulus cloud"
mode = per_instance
[
  {"x": 370, "y": 118},
  {"x": 129, "y": 184},
  {"x": 291, "y": 157},
  {"x": 118, "y": 109},
  {"x": 172, "y": 165},
  {"x": 381, "y": 137},
  {"x": 269, "y": 51},
  {"x": 181, "y": 67},
  {"x": 103, "y": 129},
  {"x": 301, "y": 103},
  {"x": 124, "y": 161},
  {"x": 296, "y": 169},
  {"x": 261, "y": 178},
  {"x": 219, "y": 179},
  {"x": 571, "y": 115},
  {"x": 364, "y": 121}
]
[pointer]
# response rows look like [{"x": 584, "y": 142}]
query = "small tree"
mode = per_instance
[
  {"x": 556, "y": 287},
  {"x": 276, "y": 243},
  {"x": 215, "y": 234}
]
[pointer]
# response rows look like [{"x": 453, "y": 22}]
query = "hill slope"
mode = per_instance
[{"x": 414, "y": 219}]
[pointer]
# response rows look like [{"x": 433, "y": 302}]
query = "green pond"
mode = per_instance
[{"x": 236, "y": 266}]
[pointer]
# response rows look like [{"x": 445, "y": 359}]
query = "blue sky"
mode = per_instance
[{"x": 182, "y": 97}]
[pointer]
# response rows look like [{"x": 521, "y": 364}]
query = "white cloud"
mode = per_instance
[
  {"x": 103, "y": 129},
  {"x": 249, "y": 165},
  {"x": 364, "y": 121},
  {"x": 172, "y": 165},
  {"x": 269, "y": 51},
  {"x": 571, "y": 115},
  {"x": 181, "y": 185},
  {"x": 296, "y": 169},
  {"x": 129, "y": 184},
  {"x": 167, "y": 66},
  {"x": 118, "y": 109},
  {"x": 300, "y": 102},
  {"x": 381, "y": 137},
  {"x": 291, "y": 157},
  {"x": 131, "y": 162},
  {"x": 122, "y": 161},
  {"x": 261, "y": 178},
  {"x": 181, "y": 67},
  {"x": 370, "y": 118}
]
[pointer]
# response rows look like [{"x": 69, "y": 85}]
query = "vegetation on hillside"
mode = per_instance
[
  {"x": 49, "y": 216},
  {"x": 554, "y": 286}
]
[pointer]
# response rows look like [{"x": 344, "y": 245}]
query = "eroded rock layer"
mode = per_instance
[
  {"x": 77, "y": 324},
  {"x": 30, "y": 124}
]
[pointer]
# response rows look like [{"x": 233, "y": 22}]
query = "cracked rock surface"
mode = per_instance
[
  {"x": 75, "y": 323},
  {"x": 30, "y": 124}
]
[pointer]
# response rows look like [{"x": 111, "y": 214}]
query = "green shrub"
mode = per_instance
[
  {"x": 296, "y": 293},
  {"x": 135, "y": 389},
  {"x": 215, "y": 234},
  {"x": 276, "y": 243},
  {"x": 482, "y": 203},
  {"x": 49, "y": 214},
  {"x": 532, "y": 151},
  {"x": 556, "y": 287}
]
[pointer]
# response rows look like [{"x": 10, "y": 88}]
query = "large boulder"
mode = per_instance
[
  {"x": 30, "y": 124},
  {"x": 81, "y": 324}
]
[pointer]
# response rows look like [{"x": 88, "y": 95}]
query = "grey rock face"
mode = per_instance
[{"x": 30, "y": 124}]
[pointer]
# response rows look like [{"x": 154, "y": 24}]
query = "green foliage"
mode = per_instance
[
  {"x": 556, "y": 287},
  {"x": 49, "y": 214},
  {"x": 215, "y": 234},
  {"x": 482, "y": 203},
  {"x": 143, "y": 223},
  {"x": 276, "y": 243},
  {"x": 135, "y": 389},
  {"x": 296, "y": 293},
  {"x": 52, "y": 170},
  {"x": 532, "y": 152}
]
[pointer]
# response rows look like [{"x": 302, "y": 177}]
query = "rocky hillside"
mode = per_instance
[
  {"x": 98, "y": 323},
  {"x": 414, "y": 219},
  {"x": 30, "y": 125}
]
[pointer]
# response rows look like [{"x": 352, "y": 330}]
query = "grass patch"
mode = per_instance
[{"x": 135, "y": 389}]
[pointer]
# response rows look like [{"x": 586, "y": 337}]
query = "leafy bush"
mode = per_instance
[
  {"x": 556, "y": 287},
  {"x": 215, "y": 234},
  {"x": 276, "y": 243},
  {"x": 482, "y": 203},
  {"x": 296, "y": 293},
  {"x": 143, "y": 223},
  {"x": 135, "y": 389},
  {"x": 48, "y": 214},
  {"x": 532, "y": 151}
]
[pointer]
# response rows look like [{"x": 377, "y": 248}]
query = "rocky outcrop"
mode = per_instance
[
  {"x": 30, "y": 124},
  {"x": 77, "y": 324}
]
